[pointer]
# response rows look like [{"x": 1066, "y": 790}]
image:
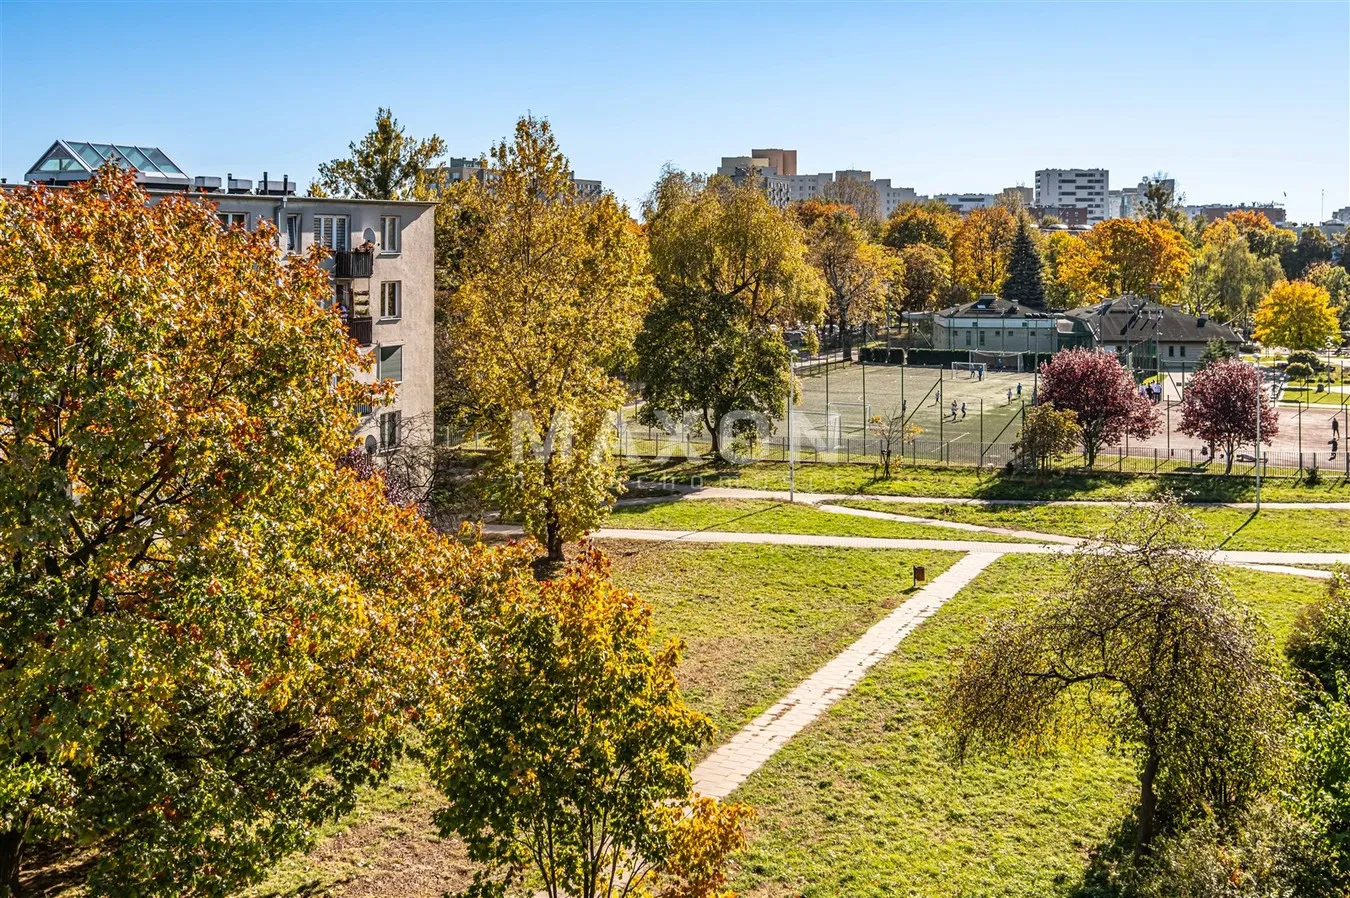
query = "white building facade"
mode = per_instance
[{"x": 1076, "y": 188}]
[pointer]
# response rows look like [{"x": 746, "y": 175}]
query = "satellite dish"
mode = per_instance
[
  {"x": 371, "y": 445},
  {"x": 369, "y": 235}
]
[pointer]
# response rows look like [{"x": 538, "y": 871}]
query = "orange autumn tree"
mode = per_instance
[
  {"x": 210, "y": 636},
  {"x": 1126, "y": 255},
  {"x": 981, "y": 247}
]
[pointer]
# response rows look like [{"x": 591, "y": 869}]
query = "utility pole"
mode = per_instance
[
  {"x": 792, "y": 455},
  {"x": 1259, "y": 378}
]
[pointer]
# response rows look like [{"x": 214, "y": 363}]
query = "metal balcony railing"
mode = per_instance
[{"x": 354, "y": 263}]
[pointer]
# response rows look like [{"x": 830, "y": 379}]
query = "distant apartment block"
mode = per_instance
[
  {"x": 1214, "y": 211},
  {"x": 1341, "y": 214},
  {"x": 1083, "y": 188},
  {"x": 381, "y": 263},
  {"x": 462, "y": 169},
  {"x": 966, "y": 202},
  {"x": 776, "y": 171},
  {"x": 1128, "y": 202}
]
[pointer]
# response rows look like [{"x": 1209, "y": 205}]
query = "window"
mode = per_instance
[
  {"x": 390, "y": 235},
  {"x": 391, "y": 363},
  {"x": 1171, "y": 351},
  {"x": 292, "y": 233},
  {"x": 391, "y": 299},
  {"x": 981, "y": 338},
  {"x": 233, "y": 219},
  {"x": 1183, "y": 352},
  {"x": 967, "y": 338},
  {"x": 331, "y": 231},
  {"x": 390, "y": 425}
]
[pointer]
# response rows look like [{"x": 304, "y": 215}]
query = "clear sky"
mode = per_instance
[{"x": 1237, "y": 101}]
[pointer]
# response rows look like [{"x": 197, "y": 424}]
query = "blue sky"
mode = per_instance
[{"x": 1238, "y": 102}]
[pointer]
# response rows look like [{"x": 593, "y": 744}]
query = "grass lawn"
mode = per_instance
[
  {"x": 1273, "y": 529},
  {"x": 865, "y": 802},
  {"x": 969, "y": 483},
  {"x": 756, "y": 621},
  {"x": 766, "y": 516}
]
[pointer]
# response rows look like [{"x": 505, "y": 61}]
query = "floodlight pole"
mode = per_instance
[
  {"x": 1259, "y": 378},
  {"x": 792, "y": 455}
]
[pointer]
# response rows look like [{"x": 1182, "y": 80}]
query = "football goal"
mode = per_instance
[
  {"x": 970, "y": 369},
  {"x": 997, "y": 361}
]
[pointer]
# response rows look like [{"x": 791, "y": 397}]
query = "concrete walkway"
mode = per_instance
[
  {"x": 729, "y": 492},
  {"x": 729, "y": 766},
  {"x": 951, "y": 525}
]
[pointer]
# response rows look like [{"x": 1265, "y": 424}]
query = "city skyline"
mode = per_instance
[{"x": 933, "y": 98}]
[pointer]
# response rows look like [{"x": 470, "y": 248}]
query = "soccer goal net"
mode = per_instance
[
  {"x": 997, "y": 361},
  {"x": 970, "y": 369}
]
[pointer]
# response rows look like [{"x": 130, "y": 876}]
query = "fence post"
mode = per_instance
[
  {"x": 1120, "y": 459},
  {"x": 1155, "y": 461},
  {"x": 981, "y": 432}
]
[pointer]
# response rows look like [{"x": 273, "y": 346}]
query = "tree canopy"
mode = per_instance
[
  {"x": 1024, "y": 284},
  {"x": 549, "y": 291},
  {"x": 1297, "y": 315},
  {"x": 210, "y": 636},
  {"x": 1220, "y": 407},
  {"x": 1101, "y": 393},
  {"x": 1126, "y": 255},
  {"x": 859, "y": 275},
  {"x": 386, "y": 165},
  {"x": 981, "y": 247},
  {"x": 931, "y": 222}
]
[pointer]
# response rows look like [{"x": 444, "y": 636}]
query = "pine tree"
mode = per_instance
[{"x": 1024, "y": 284}]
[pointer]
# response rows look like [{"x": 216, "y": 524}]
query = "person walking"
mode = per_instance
[
  {"x": 963, "y": 411},
  {"x": 1019, "y": 390},
  {"x": 1335, "y": 427},
  {"x": 953, "y": 409},
  {"x": 1010, "y": 396}
]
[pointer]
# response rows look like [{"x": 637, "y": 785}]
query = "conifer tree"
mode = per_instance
[{"x": 1024, "y": 284}]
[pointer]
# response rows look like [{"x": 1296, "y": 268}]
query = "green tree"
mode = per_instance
[
  {"x": 1227, "y": 277},
  {"x": 1215, "y": 350},
  {"x": 732, "y": 272},
  {"x": 1336, "y": 281},
  {"x": 210, "y": 636},
  {"x": 892, "y": 434},
  {"x": 1144, "y": 636},
  {"x": 564, "y": 747},
  {"x": 1024, "y": 284},
  {"x": 931, "y": 222},
  {"x": 1263, "y": 238},
  {"x": 1297, "y": 315},
  {"x": 1312, "y": 247},
  {"x": 386, "y": 165},
  {"x": 550, "y": 292},
  {"x": 981, "y": 247}
]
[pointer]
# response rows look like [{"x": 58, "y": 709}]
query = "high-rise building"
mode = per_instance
[
  {"x": 1083, "y": 188},
  {"x": 782, "y": 161},
  {"x": 776, "y": 170}
]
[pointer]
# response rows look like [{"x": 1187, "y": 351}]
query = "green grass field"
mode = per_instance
[
  {"x": 867, "y": 802},
  {"x": 1274, "y": 529},
  {"x": 957, "y": 482},
  {"x": 764, "y": 516}
]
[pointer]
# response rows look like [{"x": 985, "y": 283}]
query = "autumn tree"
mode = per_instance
[
  {"x": 732, "y": 273},
  {"x": 858, "y": 274},
  {"x": 1144, "y": 637},
  {"x": 1220, "y": 407},
  {"x": 1127, "y": 256},
  {"x": 927, "y": 273},
  {"x": 1336, "y": 281},
  {"x": 386, "y": 165},
  {"x": 1048, "y": 434},
  {"x": 1297, "y": 315},
  {"x": 210, "y": 635},
  {"x": 564, "y": 747},
  {"x": 981, "y": 247},
  {"x": 549, "y": 291},
  {"x": 1024, "y": 284},
  {"x": 1263, "y": 238},
  {"x": 931, "y": 222},
  {"x": 1101, "y": 393},
  {"x": 1059, "y": 292},
  {"x": 1227, "y": 277}
]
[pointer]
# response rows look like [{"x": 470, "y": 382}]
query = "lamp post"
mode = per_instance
[
  {"x": 1259, "y": 378},
  {"x": 792, "y": 453}
]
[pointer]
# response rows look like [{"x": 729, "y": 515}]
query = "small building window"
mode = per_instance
[
  {"x": 331, "y": 231},
  {"x": 293, "y": 233},
  {"x": 1183, "y": 352},
  {"x": 391, "y": 423},
  {"x": 391, "y": 363},
  {"x": 981, "y": 338},
  {"x": 233, "y": 219},
  {"x": 391, "y": 299},
  {"x": 390, "y": 234},
  {"x": 1171, "y": 352}
]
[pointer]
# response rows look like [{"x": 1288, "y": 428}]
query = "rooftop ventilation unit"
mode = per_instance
[
  {"x": 205, "y": 183},
  {"x": 238, "y": 185}
]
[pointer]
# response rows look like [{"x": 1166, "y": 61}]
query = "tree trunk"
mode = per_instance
[
  {"x": 11, "y": 854},
  {"x": 1148, "y": 804},
  {"x": 1228, "y": 458},
  {"x": 845, "y": 338},
  {"x": 713, "y": 436}
]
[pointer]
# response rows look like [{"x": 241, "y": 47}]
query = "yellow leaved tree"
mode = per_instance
[
  {"x": 547, "y": 293},
  {"x": 1297, "y": 315},
  {"x": 1126, "y": 255}
]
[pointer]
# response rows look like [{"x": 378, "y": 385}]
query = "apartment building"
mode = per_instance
[
  {"x": 1085, "y": 188},
  {"x": 1214, "y": 211},
  {"x": 776, "y": 170},
  {"x": 460, "y": 168},
  {"x": 381, "y": 263}
]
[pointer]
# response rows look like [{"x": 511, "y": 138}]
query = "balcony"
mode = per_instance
[
  {"x": 353, "y": 263},
  {"x": 362, "y": 329}
]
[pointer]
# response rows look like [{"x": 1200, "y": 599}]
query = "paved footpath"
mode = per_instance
[{"x": 729, "y": 766}]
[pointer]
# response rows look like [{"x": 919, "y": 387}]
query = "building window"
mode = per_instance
[
  {"x": 1171, "y": 352},
  {"x": 292, "y": 233},
  {"x": 331, "y": 231},
  {"x": 1183, "y": 352},
  {"x": 233, "y": 219},
  {"x": 981, "y": 338},
  {"x": 391, "y": 363},
  {"x": 390, "y": 425},
  {"x": 967, "y": 338},
  {"x": 391, "y": 299},
  {"x": 390, "y": 234}
]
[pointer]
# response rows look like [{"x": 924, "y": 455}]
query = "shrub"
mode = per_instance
[
  {"x": 1306, "y": 357},
  {"x": 1319, "y": 643},
  {"x": 1298, "y": 371}
]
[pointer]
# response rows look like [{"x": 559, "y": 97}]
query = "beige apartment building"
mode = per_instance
[{"x": 381, "y": 265}]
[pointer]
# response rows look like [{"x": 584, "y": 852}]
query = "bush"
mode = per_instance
[
  {"x": 1305, "y": 357},
  {"x": 1319, "y": 642},
  {"x": 1298, "y": 371}
]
